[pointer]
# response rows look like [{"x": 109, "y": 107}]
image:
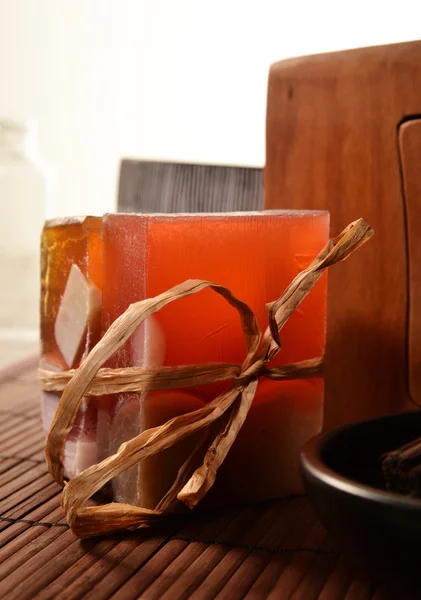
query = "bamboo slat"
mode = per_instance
[{"x": 272, "y": 550}]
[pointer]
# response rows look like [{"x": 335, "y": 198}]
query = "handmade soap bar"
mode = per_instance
[
  {"x": 256, "y": 255},
  {"x": 71, "y": 283}
]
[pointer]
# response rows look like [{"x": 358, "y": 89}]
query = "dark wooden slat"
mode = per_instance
[
  {"x": 33, "y": 414},
  {"x": 72, "y": 554},
  {"x": 7, "y": 463},
  {"x": 49, "y": 512},
  {"x": 288, "y": 534},
  {"x": 398, "y": 589},
  {"x": 24, "y": 493},
  {"x": 111, "y": 562},
  {"x": 361, "y": 588},
  {"x": 163, "y": 586},
  {"x": 8, "y": 423},
  {"x": 16, "y": 433},
  {"x": 59, "y": 587},
  {"x": 141, "y": 580},
  {"x": 37, "y": 454},
  {"x": 198, "y": 565},
  {"x": 21, "y": 516},
  {"x": 339, "y": 580},
  {"x": 18, "y": 476},
  {"x": 292, "y": 523},
  {"x": 28, "y": 456},
  {"x": 26, "y": 546},
  {"x": 27, "y": 543},
  {"x": 212, "y": 558},
  {"x": 49, "y": 490},
  {"x": 24, "y": 415},
  {"x": 148, "y": 186},
  {"x": 315, "y": 577},
  {"x": 26, "y": 411},
  {"x": 28, "y": 459},
  {"x": 22, "y": 583},
  {"x": 31, "y": 443},
  {"x": 246, "y": 569},
  {"x": 15, "y": 460},
  {"x": 131, "y": 564},
  {"x": 291, "y": 577},
  {"x": 240, "y": 578}
]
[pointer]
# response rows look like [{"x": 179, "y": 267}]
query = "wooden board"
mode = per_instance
[
  {"x": 148, "y": 186},
  {"x": 332, "y": 143},
  {"x": 274, "y": 550},
  {"x": 410, "y": 155}
]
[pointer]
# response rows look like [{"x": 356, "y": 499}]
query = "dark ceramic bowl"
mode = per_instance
[{"x": 343, "y": 476}]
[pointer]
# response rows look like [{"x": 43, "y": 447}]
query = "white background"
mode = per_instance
[{"x": 172, "y": 79}]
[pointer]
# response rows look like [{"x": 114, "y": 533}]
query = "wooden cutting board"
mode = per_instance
[{"x": 343, "y": 134}]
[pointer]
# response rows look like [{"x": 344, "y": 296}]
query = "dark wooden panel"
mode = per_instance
[
  {"x": 332, "y": 124},
  {"x": 147, "y": 186},
  {"x": 410, "y": 151}
]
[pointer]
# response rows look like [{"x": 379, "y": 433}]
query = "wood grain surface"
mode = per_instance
[
  {"x": 332, "y": 143},
  {"x": 410, "y": 153},
  {"x": 274, "y": 550}
]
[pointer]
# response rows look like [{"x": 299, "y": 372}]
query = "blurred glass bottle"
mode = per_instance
[{"x": 26, "y": 200}]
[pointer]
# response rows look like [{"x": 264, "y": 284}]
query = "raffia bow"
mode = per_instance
[{"x": 219, "y": 421}]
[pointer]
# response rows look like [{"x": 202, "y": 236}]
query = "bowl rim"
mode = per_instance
[{"x": 312, "y": 464}]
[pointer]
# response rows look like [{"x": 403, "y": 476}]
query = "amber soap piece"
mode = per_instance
[
  {"x": 71, "y": 288},
  {"x": 256, "y": 255}
]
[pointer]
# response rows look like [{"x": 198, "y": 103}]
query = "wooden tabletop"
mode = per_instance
[{"x": 274, "y": 550}]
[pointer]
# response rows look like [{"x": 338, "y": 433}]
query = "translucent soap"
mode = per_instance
[
  {"x": 256, "y": 255},
  {"x": 71, "y": 302}
]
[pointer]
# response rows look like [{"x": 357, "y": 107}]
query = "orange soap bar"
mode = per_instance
[
  {"x": 71, "y": 284},
  {"x": 264, "y": 460},
  {"x": 255, "y": 255}
]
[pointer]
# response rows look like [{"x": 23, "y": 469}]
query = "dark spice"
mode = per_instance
[{"x": 402, "y": 469}]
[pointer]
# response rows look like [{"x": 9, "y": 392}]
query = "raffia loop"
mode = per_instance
[{"x": 219, "y": 421}]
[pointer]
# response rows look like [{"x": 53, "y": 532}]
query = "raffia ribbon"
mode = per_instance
[{"x": 219, "y": 421}]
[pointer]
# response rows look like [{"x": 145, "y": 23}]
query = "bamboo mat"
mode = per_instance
[{"x": 273, "y": 550}]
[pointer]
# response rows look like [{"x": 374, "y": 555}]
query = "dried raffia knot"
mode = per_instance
[
  {"x": 254, "y": 371},
  {"x": 227, "y": 412}
]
